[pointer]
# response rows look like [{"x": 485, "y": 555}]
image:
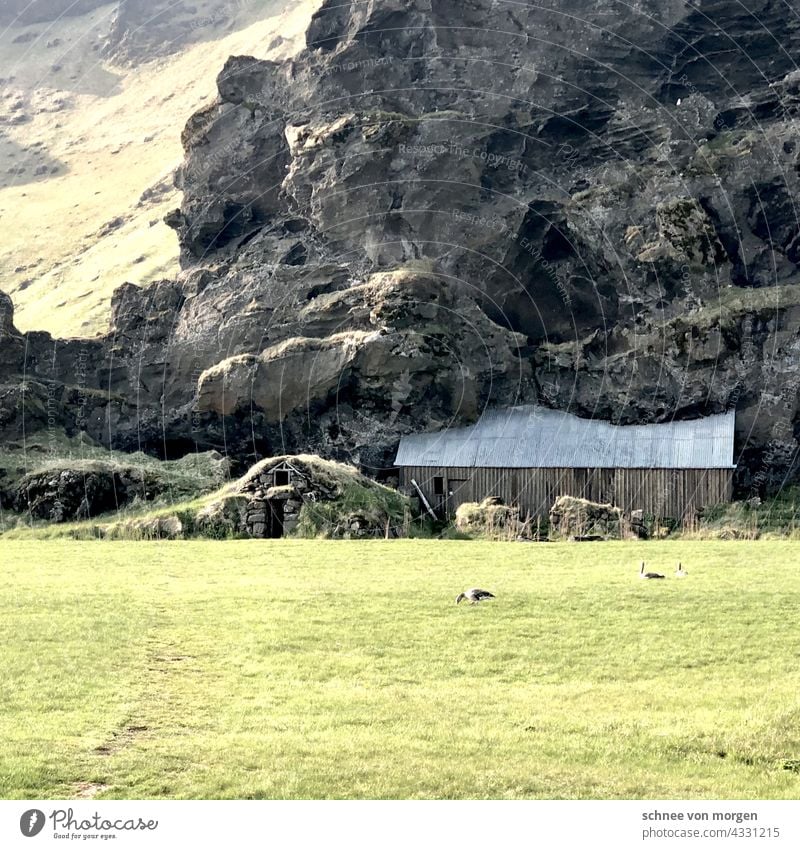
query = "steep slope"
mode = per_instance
[
  {"x": 40, "y": 11},
  {"x": 440, "y": 205},
  {"x": 91, "y": 110}
]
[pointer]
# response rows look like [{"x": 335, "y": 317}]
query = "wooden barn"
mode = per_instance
[{"x": 528, "y": 456}]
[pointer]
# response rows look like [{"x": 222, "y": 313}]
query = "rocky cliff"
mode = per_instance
[{"x": 441, "y": 205}]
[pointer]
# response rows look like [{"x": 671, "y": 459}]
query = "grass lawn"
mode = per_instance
[{"x": 315, "y": 669}]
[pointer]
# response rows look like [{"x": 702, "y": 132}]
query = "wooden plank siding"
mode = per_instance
[{"x": 664, "y": 493}]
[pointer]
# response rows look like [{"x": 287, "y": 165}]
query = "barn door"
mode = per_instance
[{"x": 458, "y": 492}]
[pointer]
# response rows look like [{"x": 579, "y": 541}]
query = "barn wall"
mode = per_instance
[{"x": 666, "y": 493}]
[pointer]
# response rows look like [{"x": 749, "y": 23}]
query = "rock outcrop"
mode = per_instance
[
  {"x": 51, "y": 383},
  {"x": 68, "y": 494},
  {"x": 442, "y": 205}
]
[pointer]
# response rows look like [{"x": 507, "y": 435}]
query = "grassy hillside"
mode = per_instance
[
  {"x": 87, "y": 152},
  {"x": 295, "y": 670}
]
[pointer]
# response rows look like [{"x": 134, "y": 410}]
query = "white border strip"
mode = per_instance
[{"x": 392, "y": 825}]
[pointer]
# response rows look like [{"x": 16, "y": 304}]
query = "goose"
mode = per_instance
[
  {"x": 680, "y": 571},
  {"x": 474, "y": 595},
  {"x": 643, "y": 574}
]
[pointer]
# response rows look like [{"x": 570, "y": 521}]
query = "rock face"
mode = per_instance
[
  {"x": 47, "y": 383},
  {"x": 413, "y": 352},
  {"x": 443, "y": 205}
]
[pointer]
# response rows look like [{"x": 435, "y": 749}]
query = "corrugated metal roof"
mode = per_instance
[{"x": 534, "y": 437}]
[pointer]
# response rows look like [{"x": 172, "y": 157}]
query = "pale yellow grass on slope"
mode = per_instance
[{"x": 100, "y": 137}]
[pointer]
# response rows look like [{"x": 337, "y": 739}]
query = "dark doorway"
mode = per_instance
[
  {"x": 274, "y": 519},
  {"x": 440, "y": 499}
]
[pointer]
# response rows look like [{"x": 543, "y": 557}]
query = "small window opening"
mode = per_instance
[
  {"x": 438, "y": 486},
  {"x": 282, "y": 478}
]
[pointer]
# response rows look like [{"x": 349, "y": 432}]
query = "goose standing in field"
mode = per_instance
[
  {"x": 473, "y": 596},
  {"x": 680, "y": 572},
  {"x": 650, "y": 575}
]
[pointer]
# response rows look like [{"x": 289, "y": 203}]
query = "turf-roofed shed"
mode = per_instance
[
  {"x": 529, "y": 456},
  {"x": 305, "y": 495}
]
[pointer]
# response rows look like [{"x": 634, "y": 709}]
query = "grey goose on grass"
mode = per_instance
[
  {"x": 649, "y": 575},
  {"x": 473, "y": 596},
  {"x": 680, "y": 572}
]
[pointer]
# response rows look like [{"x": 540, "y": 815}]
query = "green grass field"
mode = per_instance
[{"x": 317, "y": 670}]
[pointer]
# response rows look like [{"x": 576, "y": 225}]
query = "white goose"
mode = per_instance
[
  {"x": 649, "y": 575},
  {"x": 680, "y": 572}
]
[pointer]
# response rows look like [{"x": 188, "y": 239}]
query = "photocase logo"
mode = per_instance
[{"x": 31, "y": 822}]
